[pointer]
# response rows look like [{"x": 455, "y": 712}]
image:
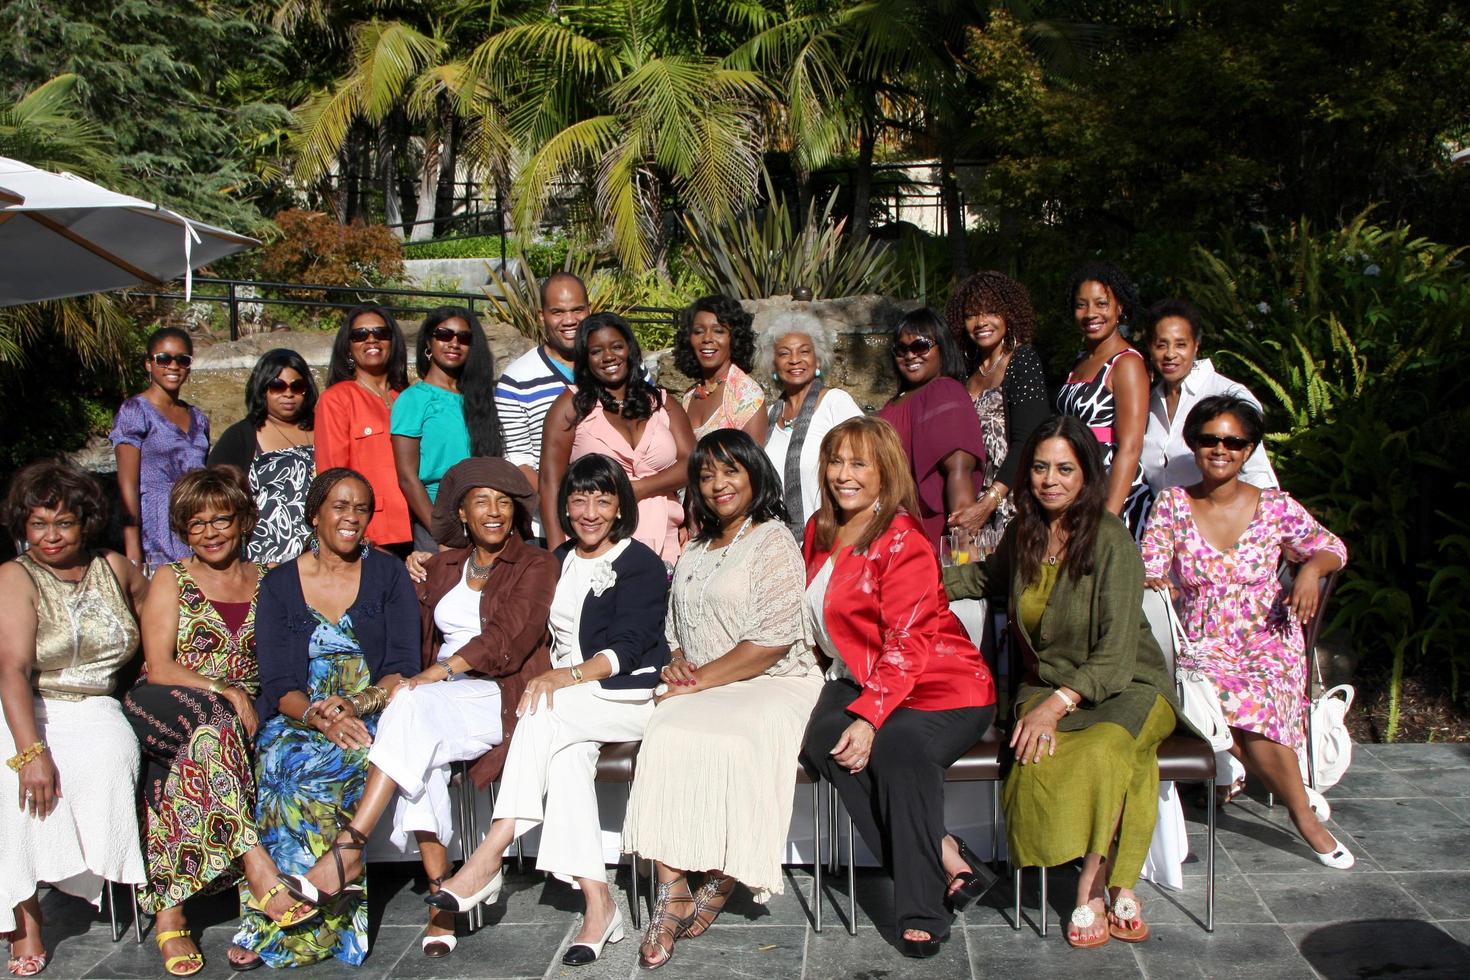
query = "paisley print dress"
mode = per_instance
[
  {"x": 1092, "y": 402},
  {"x": 279, "y": 480},
  {"x": 990, "y": 407},
  {"x": 1234, "y": 608}
]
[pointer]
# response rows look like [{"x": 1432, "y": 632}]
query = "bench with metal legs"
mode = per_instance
[{"x": 117, "y": 931}]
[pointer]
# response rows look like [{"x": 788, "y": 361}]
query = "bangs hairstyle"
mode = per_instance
[
  {"x": 871, "y": 439},
  {"x": 730, "y": 314},
  {"x": 1211, "y": 408},
  {"x": 157, "y": 337},
  {"x": 990, "y": 293},
  {"x": 218, "y": 489},
  {"x": 268, "y": 369},
  {"x": 640, "y": 398},
  {"x": 1166, "y": 308},
  {"x": 784, "y": 323},
  {"x": 725, "y": 447},
  {"x": 316, "y": 494},
  {"x": 476, "y": 380},
  {"x": 342, "y": 367},
  {"x": 1124, "y": 293},
  {"x": 1080, "y": 520},
  {"x": 924, "y": 322},
  {"x": 53, "y": 485},
  {"x": 596, "y": 473}
]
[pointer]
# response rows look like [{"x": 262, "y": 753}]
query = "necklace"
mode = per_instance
[
  {"x": 999, "y": 360},
  {"x": 724, "y": 553},
  {"x": 476, "y": 570},
  {"x": 381, "y": 396},
  {"x": 706, "y": 388},
  {"x": 284, "y": 432}
]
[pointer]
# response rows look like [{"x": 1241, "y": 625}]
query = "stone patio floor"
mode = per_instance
[{"x": 1404, "y": 911}]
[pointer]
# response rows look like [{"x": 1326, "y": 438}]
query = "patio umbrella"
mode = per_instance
[{"x": 61, "y": 236}]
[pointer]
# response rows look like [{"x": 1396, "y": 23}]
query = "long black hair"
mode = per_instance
[
  {"x": 925, "y": 322},
  {"x": 596, "y": 473},
  {"x": 640, "y": 398},
  {"x": 266, "y": 370},
  {"x": 731, "y": 315},
  {"x": 342, "y": 368},
  {"x": 476, "y": 380},
  {"x": 726, "y": 446},
  {"x": 1081, "y": 519}
]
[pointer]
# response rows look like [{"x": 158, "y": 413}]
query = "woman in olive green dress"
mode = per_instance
[{"x": 1094, "y": 700}]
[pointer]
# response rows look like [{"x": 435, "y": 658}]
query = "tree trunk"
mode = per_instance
[
  {"x": 862, "y": 177},
  {"x": 449, "y": 167},
  {"x": 388, "y": 174},
  {"x": 954, "y": 216},
  {"x": 423, "y": 218}
]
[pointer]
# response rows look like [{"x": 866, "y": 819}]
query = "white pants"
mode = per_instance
[
  {"x": 550, "y": 775},
  {"x": 420, "y": 733}
]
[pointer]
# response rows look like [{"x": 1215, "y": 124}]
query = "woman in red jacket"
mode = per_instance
[{"x": 908, "y": 692}]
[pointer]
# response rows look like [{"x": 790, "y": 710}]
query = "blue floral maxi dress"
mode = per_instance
[{"x": 306, "y": 789}]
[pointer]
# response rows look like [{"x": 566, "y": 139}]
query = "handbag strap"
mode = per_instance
[{"x": 1182, "y": 642}]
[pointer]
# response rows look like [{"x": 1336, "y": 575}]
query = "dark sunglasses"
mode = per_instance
[
  {"x": 444, "y": 335},
  {"x": 1208, "y": 440},
  {"x": 297, "y": 387},
  {"x": 359, "y": 334},
  {"x": 919, "y": 345},
  {"x": 163, "y": 359}
]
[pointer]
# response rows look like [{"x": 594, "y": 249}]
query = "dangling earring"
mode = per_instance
[
  {"x": 365, "y": 547},
  {"x": 351, "y": 363},
  {"x": 878, "y": 506},
  {"x": 775, "y": 377},
  {"x": 819, "y": 372},
  {"x": 314, "y": 545},
  {"x": 464, "y": 529}
]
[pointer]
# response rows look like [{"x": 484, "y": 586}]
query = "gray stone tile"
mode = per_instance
[
  {"x": 1398, "y": 947},
  {"x": 1445, "y": 894},
  {"x": 1438, "y": 782},
  {"x": 1263, "y": 848},
  {"x": 769, "y": 952},
  {"x": 1007, "y": 953},
  {"x": 1369, "y": 819},
  {"x": 1411, "y": 849},
  {"x": 73, "y": 956},
  {"x": 1372, "y": 784},
  {"x": 1365, "y": 758},
  {"x": 1325, "y": 898},
  {"x": 791, "y": 908},
  {"x": 521, "y": 949},
  {"x": 1261, "y": 952},
  {"x": 129, "y": 960},
  {"x": 1195, "y": 863},
  {"x": 1459, "y": 930},
  {"x": 871, "y": 954},
  {"x": 1412, "y": 755},
  {"x": 1236, "y": 902}
]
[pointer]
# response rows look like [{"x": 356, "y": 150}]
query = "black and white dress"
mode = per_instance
[
  {"x": 1092, "y": 402},
  {"x": 279, "y": 480}
]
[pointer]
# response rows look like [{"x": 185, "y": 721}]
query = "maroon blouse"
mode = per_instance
[{"x": 935, "y": 420}]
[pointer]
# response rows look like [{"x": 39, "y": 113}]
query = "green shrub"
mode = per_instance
[{"x": 475, "y": 247}]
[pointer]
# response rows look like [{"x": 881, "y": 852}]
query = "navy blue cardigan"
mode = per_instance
[
  {"x": 385, "y": 617},
  {"x": 628, "y": 618}
]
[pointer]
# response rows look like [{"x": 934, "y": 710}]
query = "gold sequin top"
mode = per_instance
[{"x": 85, "y": 631}]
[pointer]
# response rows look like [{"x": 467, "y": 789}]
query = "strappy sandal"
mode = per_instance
[
  {"x": 27, "y": 966},
  {"x": 437, "y": 947},
  {"x": 973, "y": 883},
  {"x": 173, "y": 965},
  {"x": 1083, "y": 917},
  {"x": 1127, "y": 910},
  {"x": 709, "y": 901},
  {"x": 293, "y": 916},
  {"x": 244, "y": 966},
  {"x": 356, "y": 841},
  {"x": 663, "y": 923}
]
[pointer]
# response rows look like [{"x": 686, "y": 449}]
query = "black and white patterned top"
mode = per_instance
[
  {"x": 279, "y": 480},
  {"x": 1092, "y": 402}
]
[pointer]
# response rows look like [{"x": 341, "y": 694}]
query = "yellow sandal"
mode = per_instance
[
  {"x": 171, "y": 963},
  {"x": 291, "y": 918}
]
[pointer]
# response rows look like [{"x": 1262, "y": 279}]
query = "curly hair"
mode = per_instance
[
  {"x": 217, "y": 488},
  {"x": 818, "y": 331},
  {"x": 1114, "y": 280},
  {"x": 994, "y": 294},
  {"x": 53, "y": 485},
  {"x": 641, "y": 398},
  {"x": 731, "y": 315}
]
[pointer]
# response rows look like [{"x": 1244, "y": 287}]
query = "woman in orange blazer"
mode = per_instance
[{"x": 908, "y": 693}]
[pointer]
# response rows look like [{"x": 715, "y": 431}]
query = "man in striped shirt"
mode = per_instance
[{"x": 532, "y": 381}]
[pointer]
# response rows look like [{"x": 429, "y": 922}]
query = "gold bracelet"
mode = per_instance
[
  {"x": 24, "y": 758},
  {"x": 576, "y": 674},
  {"x": 368, "y": 702}
]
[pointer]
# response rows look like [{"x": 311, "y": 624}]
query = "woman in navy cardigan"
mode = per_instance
[{"x": 607, "y": 629}]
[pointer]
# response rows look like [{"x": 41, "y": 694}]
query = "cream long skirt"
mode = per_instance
[
  {"x": 716, "y": 778},
  {"x": 92, "y": 835}
]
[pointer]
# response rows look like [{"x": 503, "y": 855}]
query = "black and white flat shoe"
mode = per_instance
[
  {"x": 450, "y": 902},
  {"x": 580, "y": 954}
]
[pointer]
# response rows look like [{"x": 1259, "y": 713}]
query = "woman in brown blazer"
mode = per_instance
[{"x": 483, "y": 609}]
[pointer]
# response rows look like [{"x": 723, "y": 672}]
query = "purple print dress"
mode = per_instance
[
  {"x": 1234, "y": 608},
  {"x": 166, "y": 453}
]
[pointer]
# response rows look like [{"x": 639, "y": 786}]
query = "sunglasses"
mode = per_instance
[
  {"x": 1208, "y": 440},
  {"x": 444, "y": 335},
  {"x": 360, "y": 334},
  {"x": 919, "y": 346},
  {"x": 163, "y": 359},
  {"x": 278, "y": 386}
]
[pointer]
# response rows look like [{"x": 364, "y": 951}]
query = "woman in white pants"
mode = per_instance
[
  {"x": 607, "y": 626},
  {"x": 483, "y": 608}
]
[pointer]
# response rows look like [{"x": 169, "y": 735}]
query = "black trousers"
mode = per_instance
[{"x": 897, "y": 800}]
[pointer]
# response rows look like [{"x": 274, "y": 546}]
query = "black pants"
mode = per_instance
[{"x": 897, "y": 800}]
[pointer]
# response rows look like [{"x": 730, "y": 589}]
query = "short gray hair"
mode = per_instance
[{"x": 783, "y": 322}]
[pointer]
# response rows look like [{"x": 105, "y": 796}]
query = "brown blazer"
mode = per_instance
[{"x": 514, "y": 644}]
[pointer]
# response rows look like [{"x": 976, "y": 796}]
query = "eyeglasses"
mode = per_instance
[
  {"x": 444, "y": 335},
  {"x": 63, "y": 526},
  {"x": 919, "y": 346},
  {"x": 1209, "y": 440},
  {"x": 163, "y": 359},
  {"x": 221, "y": 523},
  {"x": 359, "y": 335},
  {"x": 278, "y": 386}
]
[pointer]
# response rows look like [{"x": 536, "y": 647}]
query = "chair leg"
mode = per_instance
[
  {"x": 851, "y": 879},
  {"x": 995, "y": 821},
  {"x": 1210, "y": 859},
  {"x": 111, "y": 910},
  {"x": 832, "y": 856},
  {"x": 633, "y": 905},
  {"x": 137, "y": 916},
  {"x": 1016, "y": 896},
  {"x": 1043, "y": 903},
  {"x": 817, "y": 856}
]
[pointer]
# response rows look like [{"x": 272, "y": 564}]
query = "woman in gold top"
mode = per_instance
[{"x": 68, "y": 814}]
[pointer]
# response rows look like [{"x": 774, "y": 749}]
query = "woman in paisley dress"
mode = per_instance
[
  {"x": 194, "y": 715},
  {"x": 715, "y": 346},
  {"x": 1222, "y": 541},
  {"x": 991, "y": 317},
  {"x": 1108, "y": 386},
  {"x": 274, "y": 445},
  {"x": 336, "y": 631}
]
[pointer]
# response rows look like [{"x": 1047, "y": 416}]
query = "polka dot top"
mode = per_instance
[{"x": 1027, "y": 406}]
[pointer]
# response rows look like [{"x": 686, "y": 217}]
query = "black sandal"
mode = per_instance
[
  {"x": 337, "y": 900},
  {"x": 663, "y": 923},
  {"x": 973, "y": 883}
]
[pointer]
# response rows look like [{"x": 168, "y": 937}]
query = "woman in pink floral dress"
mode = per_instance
[{"x": 1222, "y": 540}]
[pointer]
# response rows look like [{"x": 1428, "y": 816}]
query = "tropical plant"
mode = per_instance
[
  {"x": 313, "y": 248},
  {"x": 764, "y": 252}
]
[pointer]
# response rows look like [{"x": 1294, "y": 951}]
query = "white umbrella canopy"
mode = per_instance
[{"x": 62, "y": 236}]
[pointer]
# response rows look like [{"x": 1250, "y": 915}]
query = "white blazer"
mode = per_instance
[
  {"x": 1167, "y": 461},
  {"x": 837, "y": 406}
]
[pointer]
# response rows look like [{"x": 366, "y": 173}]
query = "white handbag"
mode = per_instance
[
  {"x": 1328, "y": 741},
  {"x": 1198, "y": 698}
]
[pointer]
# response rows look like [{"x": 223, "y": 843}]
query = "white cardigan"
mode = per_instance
[
  {"x": 1167, "y": 461},
  {"x": 836, "y": 406}
]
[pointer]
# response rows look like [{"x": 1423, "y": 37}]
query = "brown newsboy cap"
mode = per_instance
[{"x": 466, "y": 475}]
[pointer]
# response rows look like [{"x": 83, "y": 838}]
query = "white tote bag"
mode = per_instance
[
  {"x": 1330, "y": 744},
  {"x": 1198, "y": 698}
]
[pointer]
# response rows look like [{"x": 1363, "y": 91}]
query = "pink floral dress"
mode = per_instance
[{"x": 1234, "y": 608}]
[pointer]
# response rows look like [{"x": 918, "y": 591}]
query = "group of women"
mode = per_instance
[{"x": 300, "y": 682}]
